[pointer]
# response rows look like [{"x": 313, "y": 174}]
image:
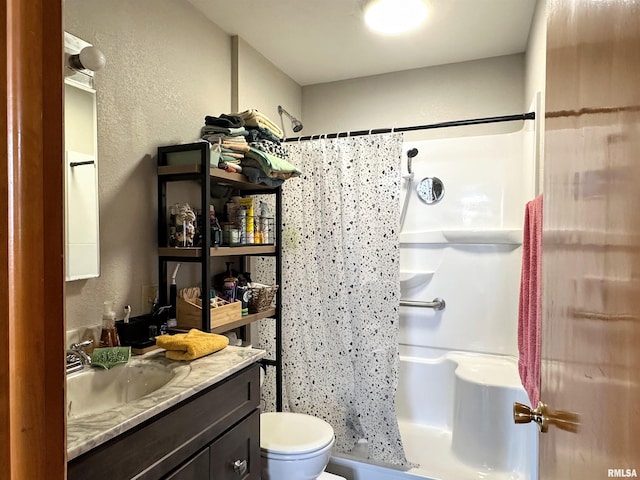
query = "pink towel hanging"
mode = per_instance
[{"x": 529, "y": 311}]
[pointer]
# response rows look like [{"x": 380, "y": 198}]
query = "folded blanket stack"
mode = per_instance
[
  {"x": 250, "y": 143},
  {"x": 227, "y": 133},
  {"x": 191, "y": 345},
  {"x": 253, "y": 118}
]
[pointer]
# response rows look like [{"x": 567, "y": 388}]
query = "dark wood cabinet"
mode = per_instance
[
  {"x": 202, "y": 437},
  {"x": 195, "y": 469},
  {"x": 236, "y": 455}
]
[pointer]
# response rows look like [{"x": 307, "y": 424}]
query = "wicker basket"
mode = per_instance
[{"x": 261, "y": 297}]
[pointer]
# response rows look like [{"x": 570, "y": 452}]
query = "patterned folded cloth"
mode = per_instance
[
  {"x": 270, "y": 147},
  {"x": 192, "y": 345}
]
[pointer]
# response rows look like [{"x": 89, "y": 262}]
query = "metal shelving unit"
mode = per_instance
[{"x": 201, "y": 171}]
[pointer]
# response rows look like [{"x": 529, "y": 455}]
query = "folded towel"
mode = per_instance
[
  {"x": 227, "y": 121},
  {"x": 530, "y": 309},
  {"x": 232, "y": 153},
  {"x": 256, "y": 175},
  {"x": 254, "y": 118},
  {"x": 192, "y": 345},
  {"x": 212, "y": 130},
  {"x": 237, "y": 146},
  {"x": 255, "y": 134},
  {"x": 273, "y": 166}
]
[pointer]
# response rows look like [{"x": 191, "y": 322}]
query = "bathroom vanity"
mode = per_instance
[{"x": 202, "y": 424}]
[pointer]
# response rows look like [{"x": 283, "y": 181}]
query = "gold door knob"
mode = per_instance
[{"x": 544, "y": 417}]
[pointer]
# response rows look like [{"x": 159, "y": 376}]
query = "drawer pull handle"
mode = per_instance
[{"x": 240, "y": 467}]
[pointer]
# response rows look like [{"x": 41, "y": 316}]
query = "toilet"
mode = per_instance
[{"x": 295, "y": 446}]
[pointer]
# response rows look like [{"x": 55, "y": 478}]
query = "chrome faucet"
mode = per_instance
[{"x": 77, "y": 358}]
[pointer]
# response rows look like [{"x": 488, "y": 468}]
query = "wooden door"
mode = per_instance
[
  {"x": 32, "y": 373},
  {"x": 591, "y": 240}
]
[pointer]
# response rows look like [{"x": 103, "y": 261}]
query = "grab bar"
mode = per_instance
[{"x": 436, "y": 304}]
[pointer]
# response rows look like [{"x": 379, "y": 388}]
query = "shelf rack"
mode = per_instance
[{"x": 195, "y": 165}]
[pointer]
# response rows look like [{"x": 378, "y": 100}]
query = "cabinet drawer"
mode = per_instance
[
  {"x": 236, "y": 455},
  {"x": 195, "y": 469}
]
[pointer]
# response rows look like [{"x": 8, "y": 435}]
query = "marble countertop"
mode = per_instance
[{"x": 85, "y": 433}]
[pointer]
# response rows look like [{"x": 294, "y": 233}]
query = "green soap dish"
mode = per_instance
[{"x": 108, "y": 357}]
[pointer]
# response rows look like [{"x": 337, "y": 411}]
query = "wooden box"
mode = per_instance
[{"x": 189, "y": 315}]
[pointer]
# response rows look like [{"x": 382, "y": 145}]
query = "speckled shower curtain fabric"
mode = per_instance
[{"x": 341, "y": 289}]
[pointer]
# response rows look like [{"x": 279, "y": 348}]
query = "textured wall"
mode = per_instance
[
  {"x": 263, "y": 86},
  {"x": 480, "y": 88},
  {"x": 167, "y": 67}
]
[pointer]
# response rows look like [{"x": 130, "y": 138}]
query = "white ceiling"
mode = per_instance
[{"x": 316, "y": 41}]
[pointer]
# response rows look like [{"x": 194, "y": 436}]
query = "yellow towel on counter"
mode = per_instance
[{"x": 192, "y": 345}]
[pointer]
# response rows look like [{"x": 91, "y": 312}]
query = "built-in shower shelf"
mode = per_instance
[
  {"x": 462, "y": 236},
  {"x": 411, "y": 280}
]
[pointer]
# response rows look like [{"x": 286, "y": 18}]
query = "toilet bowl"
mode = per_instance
[{"x": 294, "y": 446}]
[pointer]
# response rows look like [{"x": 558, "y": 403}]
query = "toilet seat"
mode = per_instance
[{"x": 293, "y": 433}]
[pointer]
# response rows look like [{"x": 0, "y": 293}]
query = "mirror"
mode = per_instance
[{"x": 82, "y": 252}]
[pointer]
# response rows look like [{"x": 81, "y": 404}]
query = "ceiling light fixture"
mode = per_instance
[{"x": 392, "y": 17}]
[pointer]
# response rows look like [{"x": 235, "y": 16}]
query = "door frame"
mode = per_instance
[{"x": 32, "y": 333}]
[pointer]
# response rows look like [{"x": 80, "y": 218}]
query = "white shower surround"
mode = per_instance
[{"x": 458, "y": 370}]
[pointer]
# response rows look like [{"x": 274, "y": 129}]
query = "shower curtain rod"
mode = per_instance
[{"x": 454, "y": 123}]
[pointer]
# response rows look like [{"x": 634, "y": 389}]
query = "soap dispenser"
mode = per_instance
[{"x": 109, "y": 334}]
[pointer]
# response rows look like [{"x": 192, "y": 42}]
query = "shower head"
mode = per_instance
[
  {"x": 410, "y": 154},
  {"x": 296, "y": 125}
]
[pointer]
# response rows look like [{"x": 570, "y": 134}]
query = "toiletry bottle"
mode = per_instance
[
  {"x": 242, "y": 294},
  {"x": 241, "y": 223},
  {"x": 247, "y": 205},
  {"x": 229, "y": 285},
  {"x": 109, "y": 334},
  {"x": 216, "y": 231}
]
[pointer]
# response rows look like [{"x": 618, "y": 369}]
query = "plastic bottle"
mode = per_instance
[
  {"x": 109, "y": 334},
  {"x": 242, "y": 294},
  {"x": 241, "y": 223}
]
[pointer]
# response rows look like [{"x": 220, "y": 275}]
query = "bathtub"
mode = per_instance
[{"x": 455, "y": 417}]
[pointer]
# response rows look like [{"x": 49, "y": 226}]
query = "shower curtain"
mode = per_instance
[{"x": 341, "y": 289}]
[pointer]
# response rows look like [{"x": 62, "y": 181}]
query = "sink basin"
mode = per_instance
[{"x": 96, "y": 390}]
